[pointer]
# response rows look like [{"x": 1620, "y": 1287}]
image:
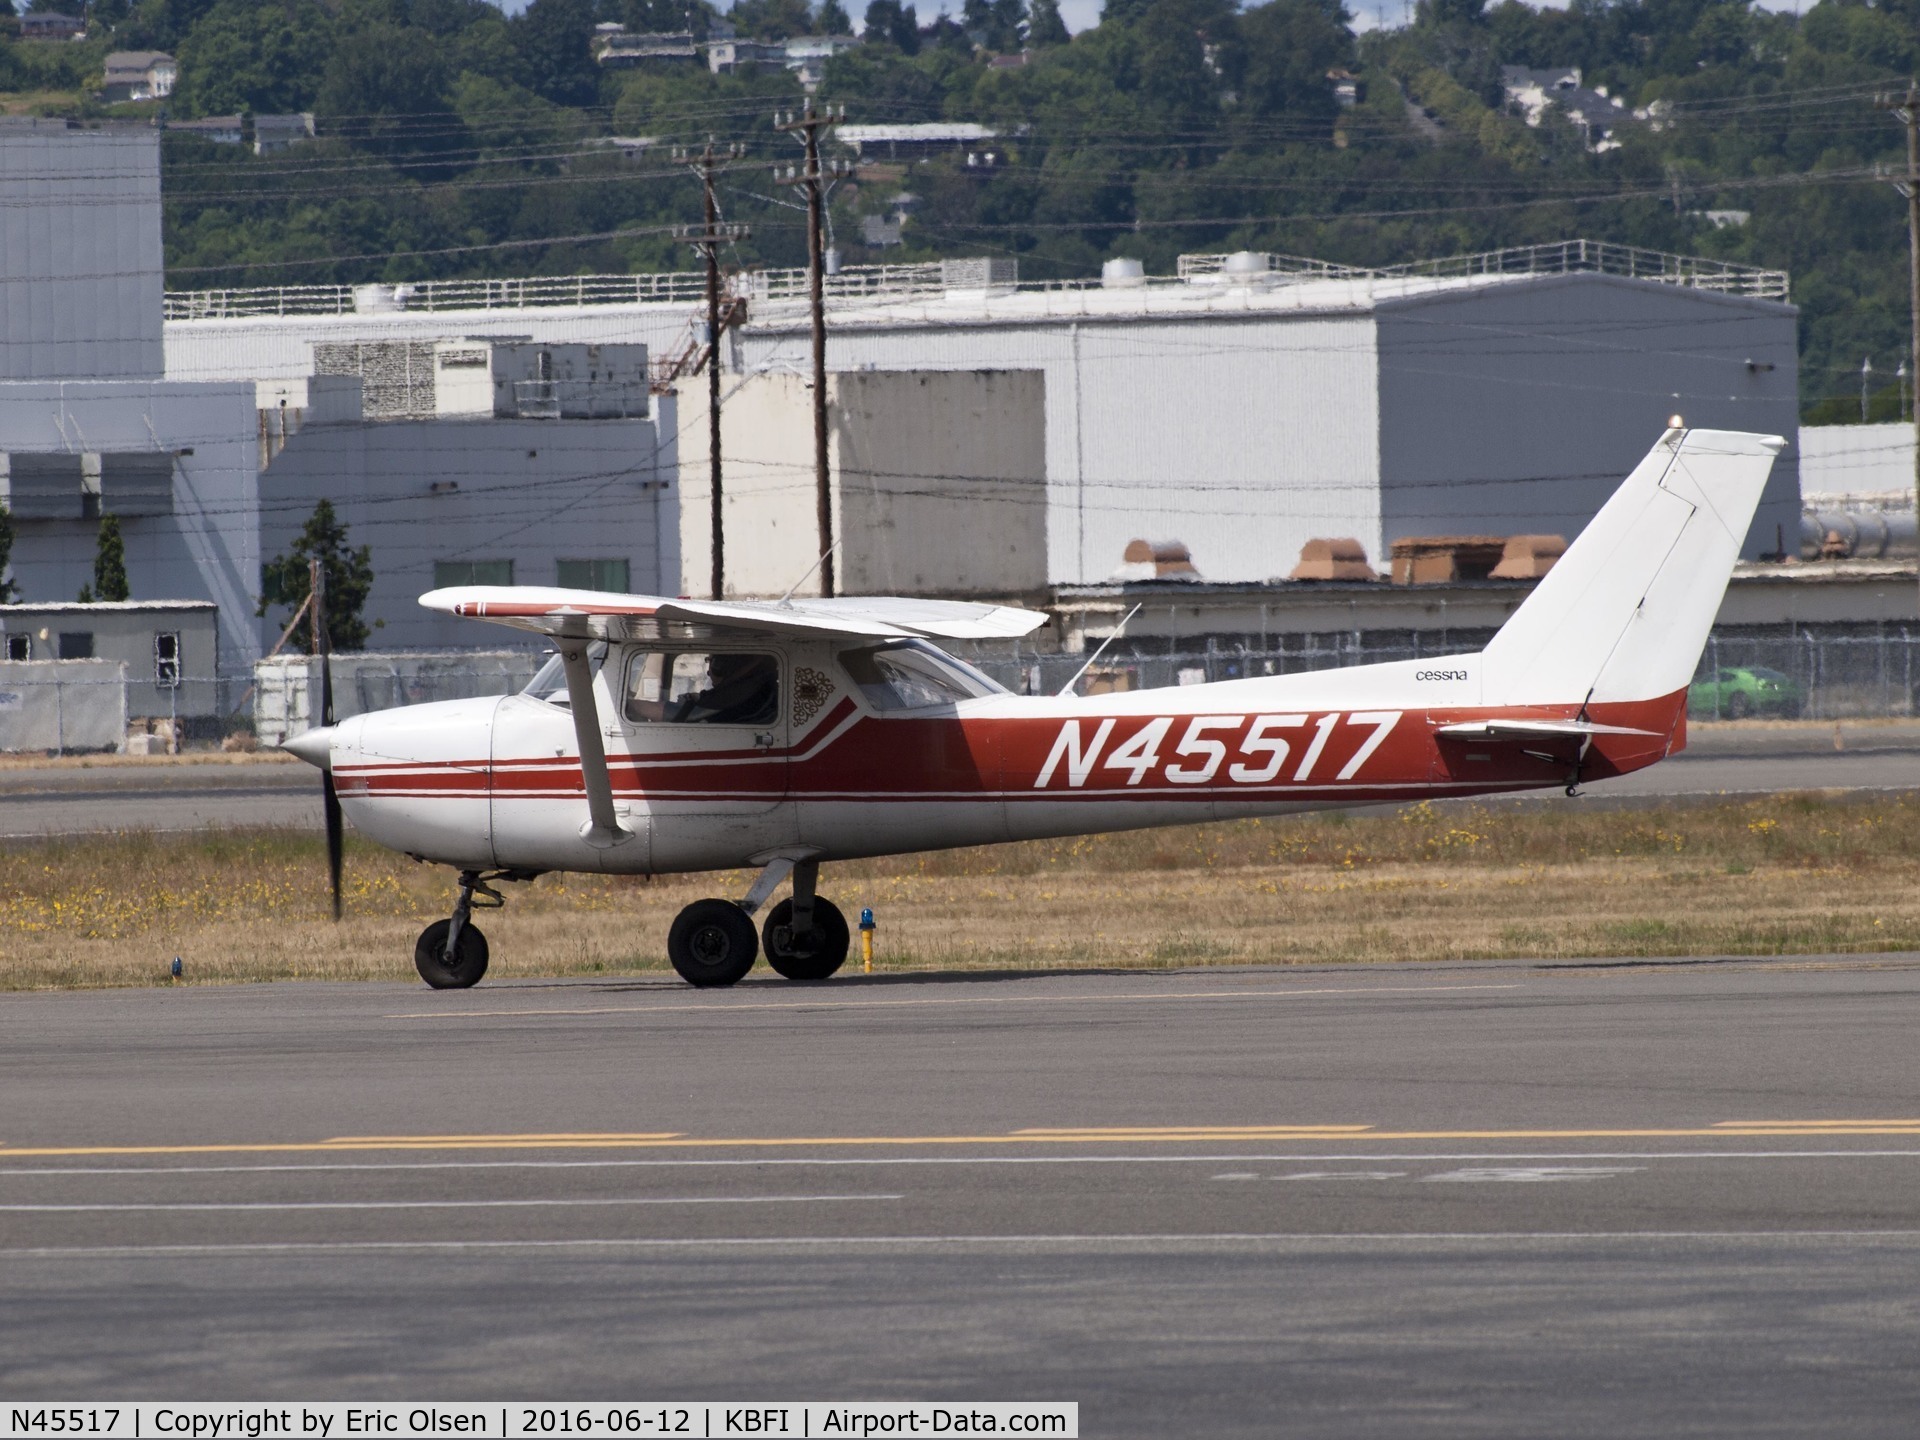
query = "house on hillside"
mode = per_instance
[
  {"x": 138, "y": 75},
  {"x": 912, "y": 142},
  {"x": 274, "y": 133},
  {"x": 725, "y": 56},
  {"x": 220, "y": 129},
  {"x": 809, "y": 54},
  {"x": 1593, "y": 112},
  {"x": 618, "y": 49},
  {"x": 51, "y": 25}
]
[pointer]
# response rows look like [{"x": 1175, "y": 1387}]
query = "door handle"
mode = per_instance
[{"x": 763, "y": 739}]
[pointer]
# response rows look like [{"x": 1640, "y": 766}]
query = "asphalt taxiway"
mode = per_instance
[{"x": 1496, "y": 1199}]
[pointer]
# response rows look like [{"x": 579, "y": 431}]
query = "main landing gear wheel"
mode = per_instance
[
  {"x": 712, "y": 943},
  {"x": 812, "y": 956},
  {"x": 467, "y": 966}
]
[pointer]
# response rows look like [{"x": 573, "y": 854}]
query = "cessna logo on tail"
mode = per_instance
[{"x": 1260, "y": 744}]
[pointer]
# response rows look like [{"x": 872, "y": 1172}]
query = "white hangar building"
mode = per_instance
[
  {"x": 1244, "y": 406},
  {"x": 1244, "y": 409}
]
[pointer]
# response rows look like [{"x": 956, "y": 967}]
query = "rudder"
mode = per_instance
[{"x": 1625, "y": 612}]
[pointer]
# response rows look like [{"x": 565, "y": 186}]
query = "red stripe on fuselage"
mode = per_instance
[{"x": 903, "y": 758}]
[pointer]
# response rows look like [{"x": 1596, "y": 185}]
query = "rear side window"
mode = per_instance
[{"x": 913, "y": 675}]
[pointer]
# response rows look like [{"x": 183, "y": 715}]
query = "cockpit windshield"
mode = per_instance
[
  {"x": 549, "y": 682},
  {"x": 913, "y": 675}
]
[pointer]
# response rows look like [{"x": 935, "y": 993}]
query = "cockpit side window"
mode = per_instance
[
  {"x": 913, "y": 675},
  {"x": 688, "y": 687}
]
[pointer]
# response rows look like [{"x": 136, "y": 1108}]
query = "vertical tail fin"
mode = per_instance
[{"x": 1625, "y": 612}]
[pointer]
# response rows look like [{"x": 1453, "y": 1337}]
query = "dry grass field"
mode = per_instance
[{"x": 1793, "y": 873}]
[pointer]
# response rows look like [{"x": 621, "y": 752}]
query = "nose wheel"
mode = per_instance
[
  {"x": 450, "y": 967},
  {"x": 451, "y": 954}
]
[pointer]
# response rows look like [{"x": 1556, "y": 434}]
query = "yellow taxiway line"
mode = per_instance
[{"x": 1088, "y": 1135}]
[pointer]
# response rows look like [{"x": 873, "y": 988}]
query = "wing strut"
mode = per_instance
[{"x": 605, "y": 828}]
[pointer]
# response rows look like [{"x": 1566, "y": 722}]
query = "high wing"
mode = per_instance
[{"x": 594, "y": 615}]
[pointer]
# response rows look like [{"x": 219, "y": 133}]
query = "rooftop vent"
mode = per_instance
[
  {"x": 1343, "y": 559},
  {"x": 1155, "y": 560}
]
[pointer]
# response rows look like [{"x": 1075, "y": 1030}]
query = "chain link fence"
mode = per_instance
[{"x": 1743, "y": 673}]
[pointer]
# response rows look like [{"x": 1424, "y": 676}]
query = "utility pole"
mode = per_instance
[
  {"x": 707, "y": 240},
  {"x": 1906, "y": 109},
  {"x": 812, "y": 181}
]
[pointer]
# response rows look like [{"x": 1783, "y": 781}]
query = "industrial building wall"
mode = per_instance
[
  {"x": 80, "y": 257},
  {"x": 941, "y": 482},
  {"x": 937, "y": 482},
  {"x": 206, "y": 549},
  {"x": 1517, "y": 409},
  {"x": 1874, "y": 460},
  {"x": 281, "y": 347},
  {"x": 474, "y": 493},
  {"x": 1244, "y": 436},
  {"x": 769, "y": 523}
]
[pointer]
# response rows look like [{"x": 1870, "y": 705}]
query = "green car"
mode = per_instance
[{"x": 1734, "y": 692}]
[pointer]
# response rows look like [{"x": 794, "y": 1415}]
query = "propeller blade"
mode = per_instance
[{"x": 335, "y": 839}]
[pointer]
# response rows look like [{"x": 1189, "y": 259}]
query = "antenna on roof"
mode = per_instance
[{"x": 810, "y": 569}]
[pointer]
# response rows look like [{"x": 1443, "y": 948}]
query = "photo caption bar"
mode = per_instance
[{"x": 545, "y": 1420}]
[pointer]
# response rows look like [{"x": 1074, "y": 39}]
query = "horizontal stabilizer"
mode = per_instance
[{"x": 1534, "y": 730}]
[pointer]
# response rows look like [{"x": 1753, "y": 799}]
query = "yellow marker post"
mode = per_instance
[{"x": 866, "y": 939}]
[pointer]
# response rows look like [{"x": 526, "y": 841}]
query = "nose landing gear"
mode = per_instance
[
  {"x": 451, "y": 954},
  {"x": 712, "y": 941}
]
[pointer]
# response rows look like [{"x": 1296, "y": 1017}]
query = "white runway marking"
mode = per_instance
[
  {"x": 1349, "y": 1157},
  {"x": 690, "y": 1007},
  {"x": 1534, "y": 1174},
  {"x": 446, "y": 1204},
  {"x": 1347, "y": 1175},
  {"x": 1295, "y": 1239}
]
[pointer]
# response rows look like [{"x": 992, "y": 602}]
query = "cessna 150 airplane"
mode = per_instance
[{"x": 682, "y": 735}]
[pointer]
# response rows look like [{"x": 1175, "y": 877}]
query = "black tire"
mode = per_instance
[
  {"x": 430, "y": 956},
  {"x": 712, "y": 943},
  {"x": 826, "y": 947},
  {"x": 1738, "y": 706}
]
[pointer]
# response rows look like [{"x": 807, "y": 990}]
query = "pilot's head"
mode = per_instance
[{"x": 723, "y": 668}]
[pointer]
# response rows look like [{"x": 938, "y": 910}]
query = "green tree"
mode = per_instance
[
  {"x": 1289, "y": 46},
  {"x": 891, "y": 23},
  {"x": 833, "y": 19},
  {"x": 260, "y": 55},
  {"x": 9, "y": 591},
  {"x": 1044, "y": 25},
  {"x": 389, "y": 86},
  {"x": 773, "y": 19},
  {"x": 286, "y": 580},
  {"x": 555, "y": 42},
  {"x": 110, "y": 561}
]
